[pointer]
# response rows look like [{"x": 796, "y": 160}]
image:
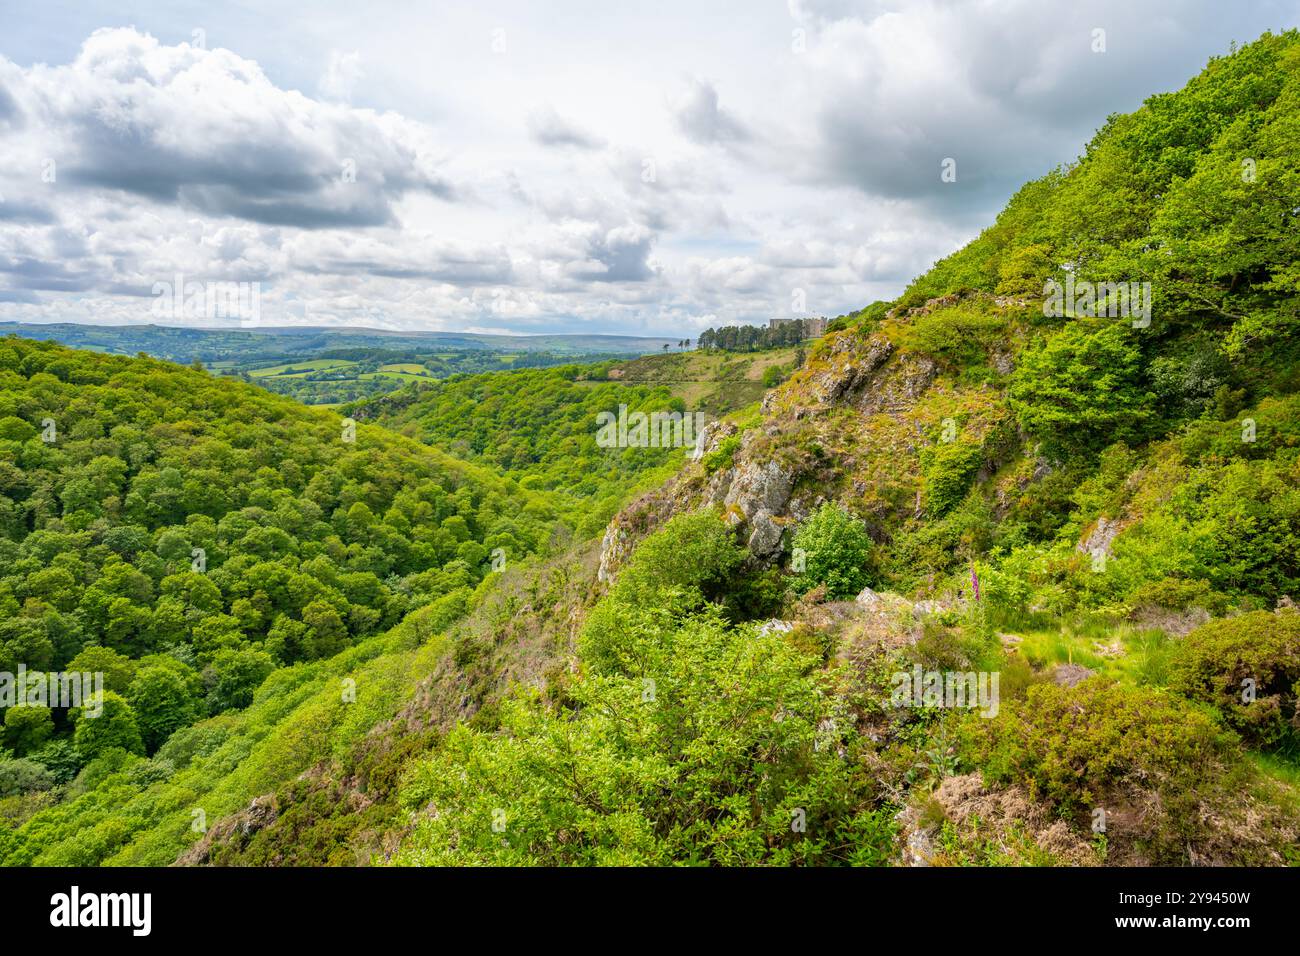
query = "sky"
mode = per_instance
[{"x": 617, "y": 167}]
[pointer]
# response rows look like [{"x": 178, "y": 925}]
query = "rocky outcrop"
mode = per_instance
[
  {"x": 755, "y": 490},
  {"x": 899, "y": 390},
  {"x": 759, "y": 487},
  {"x": 765, "y": 535},
  {"x": 235, "y": 830},
  {"x": 614, "y": 548},
  {"x": 1101, "y": 537},
  {"x": 850, "y": 367}
]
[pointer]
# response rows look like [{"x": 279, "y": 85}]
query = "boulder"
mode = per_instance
[
  {"x": 765, "y": 535},
  {"x": 756, "y": 488},
  {"x": 1068, "y": 675}
]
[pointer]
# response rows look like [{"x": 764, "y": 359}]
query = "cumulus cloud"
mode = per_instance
[
  {"x": 700, "y": 117},
  {"x": 549, "y": 129},
  {"x": 1001, "y": 91},
  {"x": 341, "y": 75},
  {"x": 207, "y": 130},
  {"x": 653, "y": 200}
]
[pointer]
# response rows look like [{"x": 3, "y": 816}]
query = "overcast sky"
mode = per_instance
[{"x": 645, "y": 168}]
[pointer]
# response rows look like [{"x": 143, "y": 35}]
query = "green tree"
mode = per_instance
[
  {"x": 235, "y": 675},
  {"x": 1082, "y": 390},
  {"x": 164, "y": 701},
  {"x": 327, "y": 634},
  {"x": 27, "y": 728},
  {"x": 114, "y": 727},
  {"x": 118, "y": 669},
  {"x": 835, "y": 548}
]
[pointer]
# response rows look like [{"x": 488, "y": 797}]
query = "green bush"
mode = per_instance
[
  {"x": 722, "y": 456},
  {"x": 1179, "y": 594},
  {"x": 836, "y": 550},
  {"x": 1109, "y": 745},
  {"x": 21, "y": 776},
  {"x": 962, "y": 334},
  {"x": 672, "y": 572},
  {"x": 1081, "y": 389},
  {"x": 707, "y": 753},
  {"x": 949, "y": 468},
  {"x": 1212, "y": 663}
]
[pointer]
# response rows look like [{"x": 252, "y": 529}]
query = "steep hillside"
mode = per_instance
[
  {"x": 1095, "y": 502},
  {"x": 968, "y": 423},
  {"x": 712, "y": 381},
  {"x": 220, "y": 555},
  {"x": 539, "y": 426}
]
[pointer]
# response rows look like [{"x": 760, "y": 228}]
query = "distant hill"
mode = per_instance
[
  {"x": 178, "y": 344},
  {"x": 326, "y": 366}
]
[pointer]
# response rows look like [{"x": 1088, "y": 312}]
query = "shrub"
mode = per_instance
[
  {"x": 1213, "y": 661},
  {"x": 711, "y": 763},
  {"x": 1179, "y": 594},
  {"x": 60, "y": 758},
  {"x": 1103, "y": 744},
  {"x": 1081, "y": 389},
  {"x": 722, "y": 456},
  {"x": 961, "y": 334},
  {"x": 21, "y": 776},
  {"x": 836, "y": 550},
  {"x": 672, "y": 572},
  {"x": 949, "y": 469}
]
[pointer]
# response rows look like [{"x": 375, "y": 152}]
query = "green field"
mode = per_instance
[
  {"x": 412, "y": 368},
  {"x": 293, "y": 369}
]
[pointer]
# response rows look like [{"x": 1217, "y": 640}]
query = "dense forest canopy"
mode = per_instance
[{"x": 187, "y": 529}]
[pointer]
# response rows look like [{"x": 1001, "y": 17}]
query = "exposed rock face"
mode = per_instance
[
  {"x": 702, "y": 441},
  {"x": 756, "y": 491},
  {"x": 760, "y": 487},
  {"x": 613, "y": 549},
  {"x": 849, "y": 371},
  {"x": 899, "y": 391},
  {"x": 1101, "y": 537},
  {"x": 926, "y": 608},
  {"x": 1003, "y": 362},
  {"x": 236, "y": 830},
  {"x": 868, "y": 598},
  {"x": 765, "y": 537}
]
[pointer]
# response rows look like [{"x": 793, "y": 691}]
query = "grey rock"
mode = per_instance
[
  {"x": 765, "y": 535},
  {"x": 757, "y": 488},
  {"x": 867, "y": 598},
  {"x": 1067, "y": 675}
]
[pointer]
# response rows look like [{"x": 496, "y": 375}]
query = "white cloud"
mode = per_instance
[
  {"x": 341, "y": 75},
  {"x": 687, "y": 166}
]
